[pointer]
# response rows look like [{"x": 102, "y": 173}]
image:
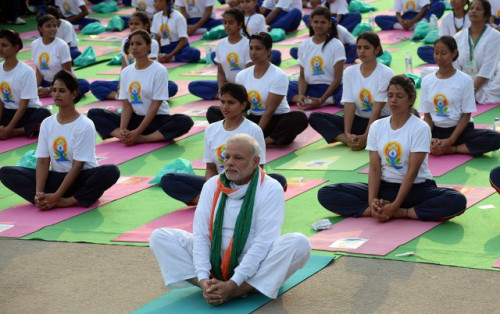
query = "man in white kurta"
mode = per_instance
[{"x": 267, "y": 259}]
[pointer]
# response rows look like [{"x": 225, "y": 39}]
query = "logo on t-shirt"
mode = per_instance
[
  {"x": 6, "y": 91},
  {"x": 130, "y": 58},
  {"x": 60, "y": 147},
  {"x": 393, "y": 152},
  {"x": 134, "y": 90},
  {"x": 255, "y": 101},
  {"x": 233, "y": 60},
  {"x": 43, "y": 61},
  {"x": 410, "y": 6},
  {"x": 142, "y": 5},
  {"x": 221, "y": 154},
  {"x": 441, "y": 104},
  {"x": 67, "y": 8},
  {"x": 190, "y": 4},
  {"x": 317, "y": 65},
  {"x": 164, "y": 31},
  {"x": 365, "y": 97}
]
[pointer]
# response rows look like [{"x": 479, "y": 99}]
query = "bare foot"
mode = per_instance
[{"x": 66, "y": 202}]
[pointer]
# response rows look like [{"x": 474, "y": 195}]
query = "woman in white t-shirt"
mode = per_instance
[
  {"x": 267, "y": 86},
  {"x": 199, "y": 15},
  {"x": 451, "y": 24},
  {"x": 109, "y": 89},
  {"x": 231, "y": 55},
  {"x": 170, "y": 30},
  {"x": 409, "y": 13},
  {"x": 234, "y": 103},
  {"x": 364, "y": 97},
  {"x": 75, "y": 11},
  {"x": 321, "y": 59},
  {"x": 20, "y": 109},
  {"x": 146, "y": 6},
  {"x": 144, "y": 94},
  {"x": 50, "y": 55},
  {"x": 66, "y": 146},
  {"x": 447, "y": 101},
  {"x": 478, "y": 53},
  {"x": 400, "y": 184},
  {"x": 65, "y": 31},
  {"x": 495, "y": 14},
  {"x": 284, "y": 14}
]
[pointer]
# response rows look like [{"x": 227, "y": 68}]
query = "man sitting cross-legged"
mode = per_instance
[{"x": 236, "y": 245}]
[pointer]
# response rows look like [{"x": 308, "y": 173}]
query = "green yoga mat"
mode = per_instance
[
  {"x": 327, "y": 157},
  {"x": 190, "y": 300}
]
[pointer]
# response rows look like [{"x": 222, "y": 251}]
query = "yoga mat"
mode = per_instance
[
  {"x": 109, "y": 36},
  {"x": 292, "y": 41},
  {"x": 31, "y": 35},
  {"x": 15, "y": 142},
  {"x": 183, "y": 218},
  {"x": 24, "y": 219},
  {"x": 366, "y": 235},
  {"x": 482, "y": 108},
  {"x": 46, "y": 101},
  {"x": 100, "y": 105},
  {"x": 210, "y": 71},
  {"x": 196, "y": 108},
  {"x": 305, "y": 138},
  {"x": 128, "y": 11},
  {"x": 497, "y": 263},
  {"x": 114, "y": 152},
  {"x": 118, "y": 69},
  {"x": 328, "y": 157},
  {"x": 285, "y": 52},
  {"x": 394, "y": 36},
  {"x": 190, "y": 300},
  {"x": 439, "y": 165},
  {"x": 327, "y": 109}
]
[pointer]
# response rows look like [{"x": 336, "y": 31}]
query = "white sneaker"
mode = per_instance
[{"x": 19, "y": 21}]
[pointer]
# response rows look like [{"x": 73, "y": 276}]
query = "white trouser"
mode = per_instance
[{"x": 173, "y": 249}]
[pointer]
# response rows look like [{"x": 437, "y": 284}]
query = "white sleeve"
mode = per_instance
[
  {"x": 207, "y": 152},
  {"x": 270, "y": 216},
  {"x": 29, "y": 88},
  {"x": 181, "y": 25},
  {"x": 123, "y": 94},
  {"x": 348, "y": 82},
  {"x": 421, "y": 138},
  {"x": 85, "y": 142},
  {"x": 382, "y": 84},
  {"x": 468, "y": 100},
  {"x": 338, "y": 51},
  {"x": 64, "y": 53},
  {"x": 300, "y": 53},
  {"x": 425, "y": 105},
  {"x": 160, "y": 88},
  {"x": 201, "y": 236},
  {"x": 180, "y": 3},
  {"x": 491, "y": 55},
  {"x": 371, "y": 142},
  {"x": 155, "y": 49},
  {"x": 398, "y": 6},
  {"x": 279, "y": 86},
  {"x": 42, "y": 148}
]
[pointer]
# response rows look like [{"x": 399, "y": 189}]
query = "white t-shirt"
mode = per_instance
[
  {"x": 255, "y": 23},
  {"x": 195, "y": 8},
  {"x": 364, "y": 91},
  {"x": 345, "y": 36},
  {"x": 64, "y": 143},
  {"x": 269, "y": 4},
  {"x": 232, "y": 57},
  {"x": 274, "y": 81},
  {"x": 70, "y": 7},
  {"x": 66, "y": 32},
  {"x": 339, "y": 7},
  {"x": 216, "y": 137},
  {"x": 170, "y": 29},
  {"x": 447, "y": 99},
  {"x": 50, "y": 58},
  {"x": 141, "y": 87},
  {"x": 495, "y": 8},
  {"x": 146, "y": 6},
  {"x": 16, "y": 84},
  {"x": 409, "y": 5},
  {"x": 289, "y": 5},
  {"x": 394, "y": 147},
  {"x": 450, "y": 25},
  {"x": 317, "y": 62},
  {"x": 129, "y": 58}
]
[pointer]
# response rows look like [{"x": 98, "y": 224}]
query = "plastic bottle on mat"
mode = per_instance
[{"x": 408, "y": 63}]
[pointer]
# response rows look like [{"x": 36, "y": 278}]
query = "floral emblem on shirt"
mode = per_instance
[
  {"x": 366, "y": 99},
  {"x": 165, "y": 31},
  {"x": 67, "y": 8},
  {"x": 221, "y": 155},
  {"x": 233, "y": 59},
  {"x": 130, "y": 58},
  {"x": 317, "y": 65},
  {"x": 142, "y": 5},
  {"x": 60, "y": 148},
  {"x": 393, "y": 152},
  {"x": 410, "y": 6},
  {"x": 190, "y": 4},
  {"x": 6, "y": 91},
  {"x": 441, "y": 105},
  {"x": 134, "y": 90},
  {"x": 255, "y": 101},
  {"x": 43, "y": 61}
]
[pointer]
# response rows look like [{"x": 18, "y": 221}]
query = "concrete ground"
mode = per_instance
[{"x": 50, "y": 277}]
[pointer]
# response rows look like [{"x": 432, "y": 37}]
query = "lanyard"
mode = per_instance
[
  {"x": 472, "y": 46},
  {"x": 458, "y": 29}
]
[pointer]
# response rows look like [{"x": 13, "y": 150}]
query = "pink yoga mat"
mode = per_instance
[
  {"x": 26, "y": 218},
  {"x": 497, "y": 263},
  {"x": 482, "y": 108},
  {"x": 14, "y": 143},
  {"x": 327, "y": 109},
  {"x": 100, "y": 105},
  {"x": 210, "y": 71},
  {"x": 196, "y": 108},
  {"x": 114, "y": 152},
  {"x": 118, "y": 69},
  {"x": 31, "y": 35},
  {"x": 305, "y": 138},
  {"x": 109, "y": 36},
  {"x": 394, "y": 36},
  {"x": 383, "y": 238},
  {"x": 439, "y": 165},
  {"x": 183, "y": 218},
  {"x": 47, "y": 101}
]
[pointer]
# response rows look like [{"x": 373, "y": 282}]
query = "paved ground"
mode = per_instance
[{"x": 48, "y": 277}]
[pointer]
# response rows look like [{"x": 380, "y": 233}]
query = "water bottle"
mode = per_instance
[
  {"x": 208, "y": 57},
  {"x": 408, "y": 63},
  {"x": 433, "y": 22},
  {"x": 496, "y": 125}
]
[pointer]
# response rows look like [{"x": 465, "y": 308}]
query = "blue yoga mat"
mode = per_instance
[{"x": 190, "y": 300}]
